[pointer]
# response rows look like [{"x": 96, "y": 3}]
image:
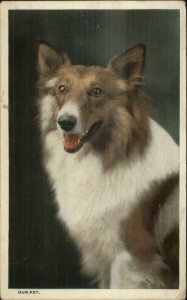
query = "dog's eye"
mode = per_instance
[
  {"x": 62, "y": 88},
  {"x": 96, "y": 92}
]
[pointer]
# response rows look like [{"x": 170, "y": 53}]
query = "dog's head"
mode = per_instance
[{"x": 90, "y": 104}]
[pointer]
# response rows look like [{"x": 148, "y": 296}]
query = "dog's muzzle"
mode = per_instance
[{"x": 74, "y": 142}]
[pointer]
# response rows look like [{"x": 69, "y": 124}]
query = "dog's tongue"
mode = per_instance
[{"x": 71, "y": 142}]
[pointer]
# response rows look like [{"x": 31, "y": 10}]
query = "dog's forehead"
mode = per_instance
[
  {"x": 93, "y": 73},
  {"x": 84, "y": 76}
]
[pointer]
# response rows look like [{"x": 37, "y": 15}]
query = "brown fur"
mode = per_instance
[
  {"x": 137, "y": 230},
  {"x": 137, "y": 233}
]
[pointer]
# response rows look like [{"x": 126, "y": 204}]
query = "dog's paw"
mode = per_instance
[
  {"x": 122, "y": 275},
  {"x": 128, "y": 273}
]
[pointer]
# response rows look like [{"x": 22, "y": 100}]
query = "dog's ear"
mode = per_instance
[
  {"x": 49, "y": 60},
  {"x": 130, "y": 64}
]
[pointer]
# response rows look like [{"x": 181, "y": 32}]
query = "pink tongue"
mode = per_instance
[{"x": 71, "y": 142}]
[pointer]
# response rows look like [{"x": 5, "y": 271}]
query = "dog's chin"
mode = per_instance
[{"x": 74, "y": 142}]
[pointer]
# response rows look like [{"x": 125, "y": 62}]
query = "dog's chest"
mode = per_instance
[
  {"x": 84, "y": 192},
  {"x": 92, "y": 209},
  {"x": 89, "y": 203},
  {"x": 87, "y": 196}
]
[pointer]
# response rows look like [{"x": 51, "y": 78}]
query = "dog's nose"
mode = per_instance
[{"x": 67, "y": 122}]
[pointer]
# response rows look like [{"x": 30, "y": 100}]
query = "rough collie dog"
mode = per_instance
[{"x": 113, "y": 169}]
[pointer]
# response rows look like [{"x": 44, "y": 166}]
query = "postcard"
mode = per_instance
[{"x": 93, "y": 150}]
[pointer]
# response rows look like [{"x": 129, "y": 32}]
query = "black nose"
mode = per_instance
[{"x": 67, "y": 122}]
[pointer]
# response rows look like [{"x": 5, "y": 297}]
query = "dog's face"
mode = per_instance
[
  {"x": 82, "y": 96},
  {"x": 87, "y": 104}
]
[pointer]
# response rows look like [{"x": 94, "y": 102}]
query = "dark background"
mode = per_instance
[{"x": 40, "y": 251}]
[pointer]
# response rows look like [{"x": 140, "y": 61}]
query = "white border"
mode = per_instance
[
  {"x": 53, "y": 5},
  {"x": 89, "y": 294}
]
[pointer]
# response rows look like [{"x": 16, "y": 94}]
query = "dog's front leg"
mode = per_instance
[{"x": 129, "y": 273}]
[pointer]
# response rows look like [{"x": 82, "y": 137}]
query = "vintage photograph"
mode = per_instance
[{"x": 94, "y": 149}]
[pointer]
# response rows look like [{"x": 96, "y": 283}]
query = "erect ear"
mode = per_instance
[
  {"x": 49, "y": 60},
  {"x": 130, "y": 64}
]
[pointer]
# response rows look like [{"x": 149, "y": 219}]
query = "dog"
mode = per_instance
[{"x": 113, "y": 169}]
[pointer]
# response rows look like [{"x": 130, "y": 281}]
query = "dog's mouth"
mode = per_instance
[{"x": 74, "y": 142}]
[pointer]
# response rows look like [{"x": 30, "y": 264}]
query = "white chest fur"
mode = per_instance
[{"x": 92, "y": 202}]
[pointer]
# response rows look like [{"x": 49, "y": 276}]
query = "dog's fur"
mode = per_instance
[{"x": 118, "y": 192}]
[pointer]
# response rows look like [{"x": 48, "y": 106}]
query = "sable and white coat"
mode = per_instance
[{"x": 93, "y": 201}]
